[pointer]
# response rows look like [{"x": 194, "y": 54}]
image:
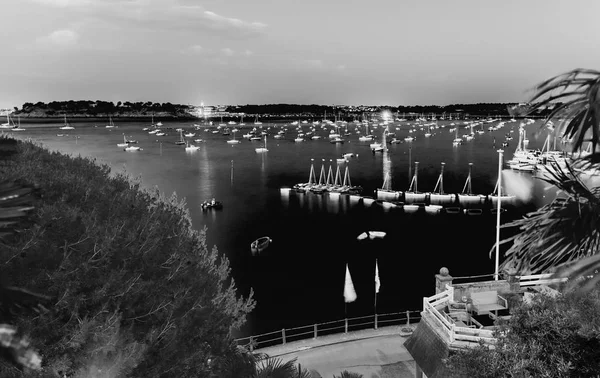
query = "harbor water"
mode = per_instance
[{"x": 299, "y": 279}]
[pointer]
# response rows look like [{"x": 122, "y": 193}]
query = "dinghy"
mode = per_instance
[{"x": 260, "y": 245}]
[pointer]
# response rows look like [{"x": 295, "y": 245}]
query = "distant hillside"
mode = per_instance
[
  {"x": 481, "y": 109},
  {"x": 95, "y": 109}
]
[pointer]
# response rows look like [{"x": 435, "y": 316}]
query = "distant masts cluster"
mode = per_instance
[{"x": 328, "y": 182}]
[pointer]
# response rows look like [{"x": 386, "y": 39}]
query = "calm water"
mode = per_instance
[{"x": 299, "y": 279}]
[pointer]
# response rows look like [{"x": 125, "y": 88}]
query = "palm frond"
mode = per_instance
[
  {"x": 580, "y": 113},
  {"x": 275, "y": 367},
  {"x": 566, "y": 230}
]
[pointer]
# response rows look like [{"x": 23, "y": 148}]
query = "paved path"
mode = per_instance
[{"x": 372, "y": 353}]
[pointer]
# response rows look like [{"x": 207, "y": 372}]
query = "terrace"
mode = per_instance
[{"x": 463, "y": 315}]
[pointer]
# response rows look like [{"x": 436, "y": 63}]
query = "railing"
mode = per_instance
[
  {"x": 287, "y": 335},
  {"x": 444, "y": 322},
  {"x": 481, "y": 277},
  {"x": 539, "y": 279}
]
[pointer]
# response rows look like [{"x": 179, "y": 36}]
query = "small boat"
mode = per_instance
[
  {"x": 260, "y": 244},
  {"x": 191, "y": 147},
  {"x": 181, "y": 141},
  {"x": 262, "y": 149},
  {"x": 212, "y": 204},
  {"x": 110, "y": 123},
  {"x": 131, "y": 148},
  {"x": 349, "y": 155},
  {"x": 124, "y": 144},
  {"x": 233, "y": 140},
  {"x": 66, "y": 126},
  {"x": 371, "y": 235}
]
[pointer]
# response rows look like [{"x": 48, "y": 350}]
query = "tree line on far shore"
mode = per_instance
[
  {"x": 101, "y": 108},
  {"x": 149, "y": 108}
]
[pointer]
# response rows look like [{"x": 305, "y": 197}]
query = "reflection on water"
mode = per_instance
[{"x": 315, "y": 235}]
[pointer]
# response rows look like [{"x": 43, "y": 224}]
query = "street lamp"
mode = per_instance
[{"x": 498, "y": 210}]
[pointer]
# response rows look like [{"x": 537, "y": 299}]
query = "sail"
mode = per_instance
[
  {"x": 377, "y": 282},
  {"x": 349, "y": 293}
]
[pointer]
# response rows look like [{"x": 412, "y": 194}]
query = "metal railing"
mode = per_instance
[
  {"x": 452, "y": 332},
  {"x": 313, "y": 331},
  {"x": 539, "y": 279}
]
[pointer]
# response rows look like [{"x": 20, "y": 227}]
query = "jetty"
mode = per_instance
[
  {"x": 433, "y": 202},
  {"x": 410, "y": 201}
]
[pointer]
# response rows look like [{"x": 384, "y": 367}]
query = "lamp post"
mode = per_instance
[{"x": 500, "y": 152}]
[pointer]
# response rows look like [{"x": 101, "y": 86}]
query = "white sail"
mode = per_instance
[
  {"x": 349, "y": 293},
  {"x": 377, "y": 282}
]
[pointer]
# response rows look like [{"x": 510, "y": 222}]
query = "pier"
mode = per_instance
[{"x": 410, "y": 201}]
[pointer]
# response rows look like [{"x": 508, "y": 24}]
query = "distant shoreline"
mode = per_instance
[{"x": 104, "y": 119}]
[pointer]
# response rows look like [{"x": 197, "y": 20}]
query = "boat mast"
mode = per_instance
[
  {"x": 440, "y": 181},
  {"x": 337, "y": 181},
  {"x": 329, "y": 174},
  {"x": 322, "y": 173},
  {"x": 413, "y": 184},
  {"x": 311, "y": 176},
  {"x": 347, "y": 182},
  {"x": 467, "y": 187}
]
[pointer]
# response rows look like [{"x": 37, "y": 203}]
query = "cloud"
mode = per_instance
[
  {"x": 63, "y": 3},
  {"x": 160, "y": 15},
  {"x": 227, "y": 51},
  {"x": 194, "y": 49},
  {"x": 63, "y": 38},
  {"x": 226, "y": 22},
  {"x": 316, "y": 63}
]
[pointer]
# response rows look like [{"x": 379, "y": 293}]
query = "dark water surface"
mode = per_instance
[{"x": 299, "y": 280}]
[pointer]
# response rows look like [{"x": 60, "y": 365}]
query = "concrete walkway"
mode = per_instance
[{"x": 373, "y": 353}]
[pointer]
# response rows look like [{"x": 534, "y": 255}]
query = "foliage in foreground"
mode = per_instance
[
  {"x": 565, "y": 235},
  {"x": 261, "y": 365},
  {"x": 347, "y": 374},
  {"x": 136, "y": 290},
  {"x": 551, "y": 337}
]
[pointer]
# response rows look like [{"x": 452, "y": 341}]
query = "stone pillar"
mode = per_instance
[
  {"x": 442, "y": 279},
  {"x": 513, "y": 281}
]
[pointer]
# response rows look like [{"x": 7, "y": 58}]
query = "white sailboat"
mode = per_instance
[
  {"x": 181, "y": 141},
  {"x": 190, "y": 147},
  {"x": 124, "y": 144},
  {"x": 7, "y": 124},
  {"x": 110, "y": 123},
  {"x": 233, "y": 140},
  {"x": 457, "y": 141},
  {"x": 438, "y": 197},
  {"x": 18, "y": 127},
  {"x": 262, "y": 149},
  {"x": 66, "y": 126}
]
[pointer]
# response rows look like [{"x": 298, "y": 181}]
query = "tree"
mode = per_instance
[
  {"x": 347, "y": 374},
  {"x": 245, "y": 364},
  {"x": 101, "y": 264},
  {"x": 564, "y": 235},
  {"x": 550, "y": 337}
]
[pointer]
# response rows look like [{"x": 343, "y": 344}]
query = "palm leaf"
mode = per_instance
[
  {"x": 274, "y": 367},
  {"x": 582, "y": 110},
  {"x": 562, "y": 232}
]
